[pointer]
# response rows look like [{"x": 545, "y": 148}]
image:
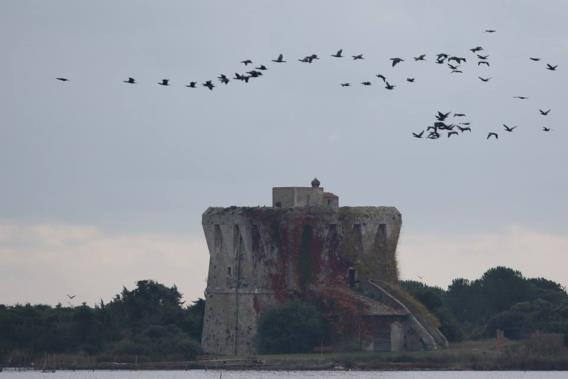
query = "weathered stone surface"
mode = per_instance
[{"x": 262, "y": 256}]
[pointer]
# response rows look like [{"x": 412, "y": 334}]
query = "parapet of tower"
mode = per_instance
[{"x": 305, "y": 247}]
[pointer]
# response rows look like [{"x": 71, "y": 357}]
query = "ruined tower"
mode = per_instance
[{"x": 305, "y": 247}]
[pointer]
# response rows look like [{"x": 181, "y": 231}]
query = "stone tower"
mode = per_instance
[{"x": 305, "y": 247}]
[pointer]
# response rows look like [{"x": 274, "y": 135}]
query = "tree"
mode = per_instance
[{"x": 290, "y": 328}]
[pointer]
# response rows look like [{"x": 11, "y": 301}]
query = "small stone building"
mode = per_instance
[{"x": 305, "y": 247}]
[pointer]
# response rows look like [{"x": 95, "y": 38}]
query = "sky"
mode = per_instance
[{"x": 104, "y": 183}]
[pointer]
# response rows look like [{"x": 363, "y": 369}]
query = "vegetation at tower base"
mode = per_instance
[{"x": 291, "y": 328}]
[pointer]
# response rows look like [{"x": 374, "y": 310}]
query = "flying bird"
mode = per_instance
[
  {"x": 380, "y": 76},
  {"x": 261, "y": 67},
  {"x": 459, "y": 114},
  {"x": 545, "y": 129},
  {"x": 544, "y": 113},
  {"x": 418, "y": 135},
  {"x": 130, "y": 81},
  {"x": 462, "y": 129},
  {"x": 246, "y": 62},
  {"x": 490, "y": 31},
  {"x": 458, "y": 60},
  {"x": 483, "y": 62},
  {"x": 457, "y": 72},
  {"x": 164, "y": 82},
  {"x": 359, "y": 56},
  {"x": 280, "y": 59},
  {"x": 396, "y": 61},
  {"x": 534, "y": 59},
  {"x": 452, "y": 133},
  {"x": 465, "y": 123},
  {"x": 493, "y": 134},
  {"x": 484, "y": 79},
  {"x": 62, "y": 79},
  {"x": 476, "y": 49},
  {"x": 509, "y": 128},
  {"x": 410, "y": 80},
  {"x": 345, "y": 84},
  {"x": 338, "y": 54},
  {"x": 442, "y": 116},
  {"x": 71, "y": 296},
  {"x": 389, "y": 86},
  {"x": 223, "y": 79},
  {"x": 420, "y": 58},
  {"x": 191, "y": 85},
  {"x": 520, "y": 97},
  {"x": 551, "y": 67},
  {"x": 366, "y": 83},
  {"x": 483, "y": 57},
  {"x": 209, "y": 85}
]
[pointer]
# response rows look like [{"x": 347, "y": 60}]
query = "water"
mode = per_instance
[{"x": 216, "y": 374}]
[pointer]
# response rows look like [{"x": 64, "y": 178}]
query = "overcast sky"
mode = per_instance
[{"x": 104, "y": 183}]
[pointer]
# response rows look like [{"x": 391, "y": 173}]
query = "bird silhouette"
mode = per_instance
[
  {"x": 482, "y": 57},
  {"x": 223, "y": 79},
  {"x": 452, "y": 66},
  {"x": 421, "y": 57},
  {"x": 459, "y": 114},
  {"x": 418, "y": 135},
  {"x": 545, "y": 129},
  {"x": 410, "y": 80},
  {"x": 71, "y": 296},
  {"x": 280, "y": 59},
  {"x": 509, "y": 128},
  {"x": 366, "y": 83},
  {"x": 493, "y": 134},
  {"x": 458, "y": 60},
  {"x": 191, "y": 85},
  {"x": 62, "y": 79},
  {"x": 246, "y": 62},
  {"x": 261, "y": 67},
  {"x": 452, "y": 133},
  {"x": 490, "y": 30},
  {"x": 465, "y": 123},
  {"x": 254, "y": 73},
  {"x": 442, "y": 116},
  {"x": 345, "y": 84},
  {"x": 476, "y": 49},
  {"x": 464, "y": 129},
  {"x": 534, "y": 59},
  {"x": 396, "y": 61},
  {"x": 164, "y": 82},
  {"x": 209, "y": 85},
  {"x": 389, "y": 86},
  {"x": 130, "y": 81},
  {"x": 380, "y": 76},
  {"x": 551, "y": 67},
  {"x": 520, "y": 97},
  {"x": 338, "y": 54},
  {"x": 359, "y": 56},
  {"x": 544, "y": 113},
  {"x": 457, "y": 72},
  {"x": 483, "y": 62},
  {"x": 484, "y": 79}
]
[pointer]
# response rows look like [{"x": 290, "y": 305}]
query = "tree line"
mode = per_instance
[
  {"x": 152, "y": 323},
  {"x": 149, "y": 322}
]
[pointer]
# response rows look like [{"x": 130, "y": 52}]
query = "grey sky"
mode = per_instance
[{"x": 130, "y": 169}]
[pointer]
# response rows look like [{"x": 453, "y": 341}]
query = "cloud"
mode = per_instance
[
  {"x": 440, "y": 258},
  {"x": 42, "y": 263}
]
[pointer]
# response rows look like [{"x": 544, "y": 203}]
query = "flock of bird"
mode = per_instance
[{"x": 442, "y": 121}]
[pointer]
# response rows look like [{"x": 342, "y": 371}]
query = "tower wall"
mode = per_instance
[{"x": 264, "y": 256}]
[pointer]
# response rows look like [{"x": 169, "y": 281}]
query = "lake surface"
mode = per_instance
[{"x": 216, "y": 374}]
